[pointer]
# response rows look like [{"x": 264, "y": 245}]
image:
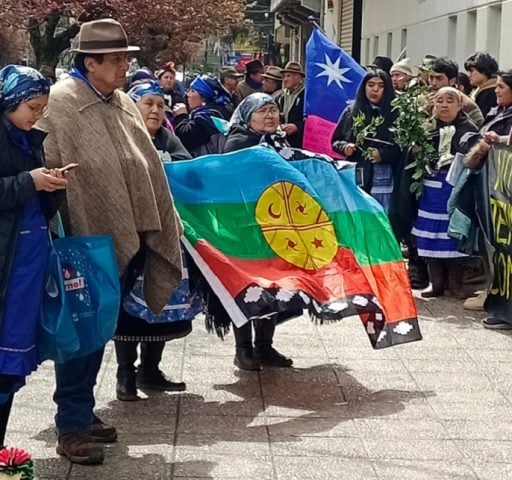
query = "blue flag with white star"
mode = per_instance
[{"x": 332, "y": 77}]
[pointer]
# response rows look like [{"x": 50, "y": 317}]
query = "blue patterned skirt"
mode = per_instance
[
  {"x": 382, "y": 184},
  {"x": 431, "y": 227}
]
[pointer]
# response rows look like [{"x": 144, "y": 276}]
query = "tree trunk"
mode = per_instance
[{"x": 46, "y": 45}]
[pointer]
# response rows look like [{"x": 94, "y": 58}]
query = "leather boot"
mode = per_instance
[
  {"x": 263, "y": 350},
  {"x": 418, "y": 271},
  {"x": 244, "y": 358},
  {"x": 149, "y": 376},
  {"x": 80, "y": 448},
  {"x": 456, "y": 269},
  {"x": 126, "y": 388},
  {"x": 437, "y": 277}
]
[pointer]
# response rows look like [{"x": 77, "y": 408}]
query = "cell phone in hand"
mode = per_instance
[{"x": 68, "y": 167}]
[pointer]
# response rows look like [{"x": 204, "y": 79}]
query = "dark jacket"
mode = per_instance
[
  {"x": 486, "y": 99},
  {"x": 403, "y": 208},
  {"x": 240, "y": 137},
  {"x": 167, "y": 141},
  {"x": 198, "y": 133},
  {"x": 16, "y": 188},
  {"x": 343, "y": 134},
  {"x": 295, "y": 116}
]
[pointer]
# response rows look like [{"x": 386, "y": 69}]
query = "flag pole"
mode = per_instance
[{"x": 314, "y": 21}]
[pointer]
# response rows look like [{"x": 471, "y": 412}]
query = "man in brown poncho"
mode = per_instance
[{"x": 119, "y": 189}]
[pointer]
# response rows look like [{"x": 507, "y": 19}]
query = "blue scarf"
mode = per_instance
[
  {"x": 75, "y": 73},
  {"x": 145, "y": 88},
  {"x": 19, "y": 84},
  {"x": 255, "y": 85}
]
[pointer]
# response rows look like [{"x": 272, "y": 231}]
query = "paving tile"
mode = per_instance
[
  {"x": 199, "y": 464},
  {"x": 311, "y": 468},
  {"x": 484, "y": 451},
  {"x": 421, "y": 470},
  {"x": 478, "y": 430},
  {"x": 209, "y": 424},
  {"x": 413, "y": 449},
  {"x": 255, "y": 445},
  {"x": 385, "y": 428},
  {"x": 311, "y": 427},
  {"x": 493, "y": 471},
  {"x": 337, "y": 447}
]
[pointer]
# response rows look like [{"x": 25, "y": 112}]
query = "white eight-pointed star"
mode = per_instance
[{"x": 333, "y": 72}]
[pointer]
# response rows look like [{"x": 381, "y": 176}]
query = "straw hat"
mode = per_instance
[{"x": 103, "y": 36}]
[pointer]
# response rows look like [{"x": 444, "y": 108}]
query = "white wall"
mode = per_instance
[{"x": 455, "y": 28}]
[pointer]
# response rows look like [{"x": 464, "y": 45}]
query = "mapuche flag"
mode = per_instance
[
  {"x": 272, "y": 235},
  {"x": 332, "y": 80}
]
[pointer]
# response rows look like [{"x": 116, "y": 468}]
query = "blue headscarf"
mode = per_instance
[
  {"x": 19, "y": 84},
  {"x": 142, "y": 75},
  {"x": 255, "y": 101},
  {"x": 210, "y": 89},
  {"x": 147, "y": 88}
]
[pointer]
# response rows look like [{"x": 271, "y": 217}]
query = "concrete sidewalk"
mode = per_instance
[{"x": 436, "y": 409}]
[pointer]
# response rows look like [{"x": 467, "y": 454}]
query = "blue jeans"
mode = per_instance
[{"x": 74, "y": 394}]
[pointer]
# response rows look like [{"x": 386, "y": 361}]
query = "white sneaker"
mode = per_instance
[{"x": 476, "y": 304}]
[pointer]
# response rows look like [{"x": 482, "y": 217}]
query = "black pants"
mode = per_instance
[{"x": 5, "y": 412}]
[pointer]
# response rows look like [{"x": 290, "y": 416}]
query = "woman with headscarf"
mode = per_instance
[
  {"x": 133, "y": 326},
  {"x": 373, "y": 100},
  {"x": 28, "y": 199},
  {"x": 255, "y": 121},
  {"x": 148, "y": 95},
  {"x": 167, "y": 78},
  {"x": 195, "y": 126},
  {"x": 445, "y": 262}
]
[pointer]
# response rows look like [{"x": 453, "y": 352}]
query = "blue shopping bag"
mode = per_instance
[{"x": 83, "y": 294}]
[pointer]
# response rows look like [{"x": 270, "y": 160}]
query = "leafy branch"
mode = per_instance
[
  {"x": 411, "y": 130},
  {"x": 364, "y": 131}
]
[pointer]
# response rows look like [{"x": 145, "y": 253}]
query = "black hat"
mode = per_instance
[
  {"x": 383, "y": 63},
  {"x": 254, "y": 66}
]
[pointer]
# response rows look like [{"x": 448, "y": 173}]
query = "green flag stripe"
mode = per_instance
[{"x": 233, "y": 230}]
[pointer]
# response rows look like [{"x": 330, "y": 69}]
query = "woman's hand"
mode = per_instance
[
  {"x": 349, "y": 149},
  {"x": 491, "y": 137},
  {"x": 290, "y": 129},
  {"x": 375, "y": 155},
  {"x": 179, "y": 109},
  {"x": 48, "y": 180}
]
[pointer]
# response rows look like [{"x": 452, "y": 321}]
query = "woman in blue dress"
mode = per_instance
[{"x": 29, "y": 197}]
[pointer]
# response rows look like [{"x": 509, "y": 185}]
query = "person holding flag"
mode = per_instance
[
  {"x": 332, "y": 80},
  {"x": 363, "y": 135}
]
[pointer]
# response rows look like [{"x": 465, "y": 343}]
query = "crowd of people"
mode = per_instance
[{"x": 119, "y": 129}]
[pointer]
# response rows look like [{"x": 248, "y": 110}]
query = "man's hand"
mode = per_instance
[{"x": 48, "y": 180}]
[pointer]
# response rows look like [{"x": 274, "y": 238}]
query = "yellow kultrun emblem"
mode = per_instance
[{"x": 296, "y": 227}]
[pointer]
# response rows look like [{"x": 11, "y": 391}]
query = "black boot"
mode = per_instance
[
  {"x": 436, "y": 269},
  {"x": 418, "y": 271},
  {"x": 263, "y": 350},
  {"x": 244, "y": 358},
  {"x": 5, "y": 412},
  {"x": 126, "y": 388},
  {"x": 149, "y": 376}
]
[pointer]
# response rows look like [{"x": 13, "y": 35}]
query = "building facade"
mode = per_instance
[
  {"x": 340, "y": 19},
  {"x": 453, "y": 28}
]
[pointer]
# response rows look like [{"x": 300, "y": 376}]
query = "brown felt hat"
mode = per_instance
[
  {"x": 274, "y": 73},
  {"x": 294, "y": 67},
  {"x": 103, "y": 36}
]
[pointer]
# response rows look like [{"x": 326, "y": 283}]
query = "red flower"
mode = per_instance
[{"x": 13, "y": 457}]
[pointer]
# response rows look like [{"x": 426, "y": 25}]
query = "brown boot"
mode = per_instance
[
  {"x": 456, "y": 269},
  {"x": 80, "y": 448},
  {"x": 437, "y": 278}
]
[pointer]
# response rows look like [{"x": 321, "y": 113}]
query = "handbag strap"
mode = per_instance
[{"x": 60, "y": 225}]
